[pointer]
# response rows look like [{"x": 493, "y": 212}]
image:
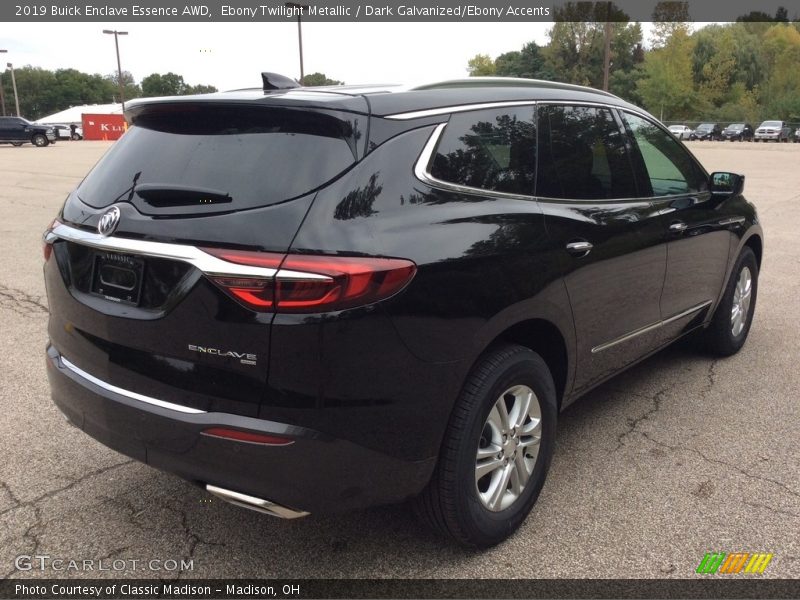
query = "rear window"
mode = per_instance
[{"x": 249, "y": 156}]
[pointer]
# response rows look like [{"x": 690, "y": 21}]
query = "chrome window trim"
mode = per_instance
[
  {"x": 127, "y": 393},
  {"x": 422, "y": 166},
  {"x": 205, "y": 262},
  {"x": 651, "y": 327},
  {"x": 448, "y": 110},
  {"x": 423, "y": 174}
]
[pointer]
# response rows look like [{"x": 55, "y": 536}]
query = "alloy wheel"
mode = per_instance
[
  {"x": 741, "y": 301},
  {"x": 508, "y": 448}
]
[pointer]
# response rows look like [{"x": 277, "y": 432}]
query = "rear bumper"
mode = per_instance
[{"x": 317, "y": 473}]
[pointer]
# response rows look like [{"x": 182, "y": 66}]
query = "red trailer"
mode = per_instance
[{"x": 103, "y": 127}]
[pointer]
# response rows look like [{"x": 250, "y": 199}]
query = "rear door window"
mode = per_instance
[
  {"x": 252, "y": 156},
  {"x": 582, "y": 155},
  {"x": 493, "y": 150}
]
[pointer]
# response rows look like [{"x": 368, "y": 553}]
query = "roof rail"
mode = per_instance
[{"x": 508, "y": 82}]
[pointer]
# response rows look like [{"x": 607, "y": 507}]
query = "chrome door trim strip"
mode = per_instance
[
  {"x": 733, "y": 221},
  {"x": 686, "y": 312},
  {"x": 127, "y": 393},
  {"x": 652, "y": 327}
]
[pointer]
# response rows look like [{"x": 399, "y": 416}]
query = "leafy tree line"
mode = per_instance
[
  {"x": 43, "y": 92},
  {"x": 743, "y": 71}
]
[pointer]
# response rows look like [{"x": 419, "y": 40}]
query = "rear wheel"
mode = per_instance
[
  {"x": 17, "y": 144},
  {"x": 496, "y": 451},
  {"x": 39, "y": 140},
  {"x": 734, "y": 315}
]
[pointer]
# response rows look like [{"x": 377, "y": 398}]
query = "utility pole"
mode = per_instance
[
  {"x": 2, "y": 94},
  {"x": 116, "y": 35},
  {"x": 607, "y": 50},
  {"x": 300, "y": 8},
  {"x": 14, "y": 85}
]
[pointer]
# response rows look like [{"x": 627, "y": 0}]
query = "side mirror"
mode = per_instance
[{"x": 724, "y": 185}]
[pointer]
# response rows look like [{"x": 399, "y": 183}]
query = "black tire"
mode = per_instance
[
  {"x": 40, "y": 140},
  {"x": 17, "y": 144},
  {"x": 719, "y": 338},
  {"x": 451, "y": 504}
]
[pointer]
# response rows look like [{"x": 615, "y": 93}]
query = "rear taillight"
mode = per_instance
[{"x": 312, "y": 283}]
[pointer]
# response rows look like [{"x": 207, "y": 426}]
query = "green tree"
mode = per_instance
[
  {"x": 481, "y": 65},
  {"x": 168, "y": 84},
  {"x": 317, "y": 79},
  {"x": 667, "y": 87}
]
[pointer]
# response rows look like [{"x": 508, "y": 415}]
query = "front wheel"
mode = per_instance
[
  {"x": 496, "y": 450},
  {"x": 730, "y": 325},
  {"x": 39, "y": 140}
]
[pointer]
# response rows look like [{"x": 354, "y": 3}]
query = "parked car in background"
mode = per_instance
[
  {"x": 776, "y": 131},
  {"x": 796, "y": 138},
  {"x": 707, "y": 131},
  {"x": 682, "y": 132},
  {"x": 310, "y": 302},
  {"x": 738, "y": 132},
  {"x": 17, "y": 131},
  {"x": 64, "y": 132}
]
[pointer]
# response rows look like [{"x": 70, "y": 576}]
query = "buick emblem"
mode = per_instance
[{"x": 109, "y": 221}]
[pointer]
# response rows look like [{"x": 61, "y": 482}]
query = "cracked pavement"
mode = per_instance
[{"x": 679, "y": 456}]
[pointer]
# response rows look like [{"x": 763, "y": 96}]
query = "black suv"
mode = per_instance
[
  {"x": 18, "y": 131},
  {"x": 707, "y": 131},
  {"x": 311, "y": 300},
  {"x": 741, "y": 132}
]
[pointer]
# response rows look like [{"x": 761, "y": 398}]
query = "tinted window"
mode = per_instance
[
  {"x": 582, "y": 155},
  {"x": 669, "y": 167},
  {"x": 256, "y": 156},
  {"x": 490, "y": 149}
]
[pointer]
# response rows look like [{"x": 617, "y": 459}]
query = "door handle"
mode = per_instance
[
  {"x": 579, "y": 248},
  {"x": 678, "y": 226}
]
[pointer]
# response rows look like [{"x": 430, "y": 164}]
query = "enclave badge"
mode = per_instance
[{"x": 109, "y": 221}]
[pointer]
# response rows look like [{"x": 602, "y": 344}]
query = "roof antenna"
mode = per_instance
[{"x": 275, "y": 81}]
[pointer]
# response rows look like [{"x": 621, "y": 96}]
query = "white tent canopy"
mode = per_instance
[{"x": 73, "y": 114}]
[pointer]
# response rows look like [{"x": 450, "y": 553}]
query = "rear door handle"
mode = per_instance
[
  {"x": 579, "y": 248},
  {"x": 678, "y": 226}
]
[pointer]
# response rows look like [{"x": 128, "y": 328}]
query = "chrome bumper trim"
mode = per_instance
[
  {"x": 207, "y": 263},
  {"x": 256, "y": 504},
  {"x": 127, "y": 393}
]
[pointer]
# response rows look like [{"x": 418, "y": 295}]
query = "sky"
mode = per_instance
[{"x": 232, "y": 55}]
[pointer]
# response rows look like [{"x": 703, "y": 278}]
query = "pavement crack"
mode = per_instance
[
  {"x": 20, "y": 302},
  {"x": 7, "y": 488},
  {"x": 730, "y": 466},
  {"x": 633, "y": 423},
  {"x": 772, "y": 509},
  {"x": 47, "y": 495},
  {"x": 193, "y": 539}
]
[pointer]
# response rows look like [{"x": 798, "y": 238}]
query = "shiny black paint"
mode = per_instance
[{"x": 377, "y": 383}]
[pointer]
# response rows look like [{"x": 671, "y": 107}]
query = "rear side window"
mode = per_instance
[
  {"x": 255, "y": 156},
  {"x": 582, "y": 155},
  {"x": 493, "y": 150},
  {"x": 670, "y": 169}
]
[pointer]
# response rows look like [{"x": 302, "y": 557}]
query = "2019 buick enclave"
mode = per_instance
[{"x": 312, "y": 300}]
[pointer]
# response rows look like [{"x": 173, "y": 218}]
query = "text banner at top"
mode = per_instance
[{"x": 392, "y": 11}]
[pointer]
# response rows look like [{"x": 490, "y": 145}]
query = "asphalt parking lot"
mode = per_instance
[{"x": 680, "y": 456}]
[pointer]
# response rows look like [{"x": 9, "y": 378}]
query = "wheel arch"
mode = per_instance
[{"x": 546, "y": 339}]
